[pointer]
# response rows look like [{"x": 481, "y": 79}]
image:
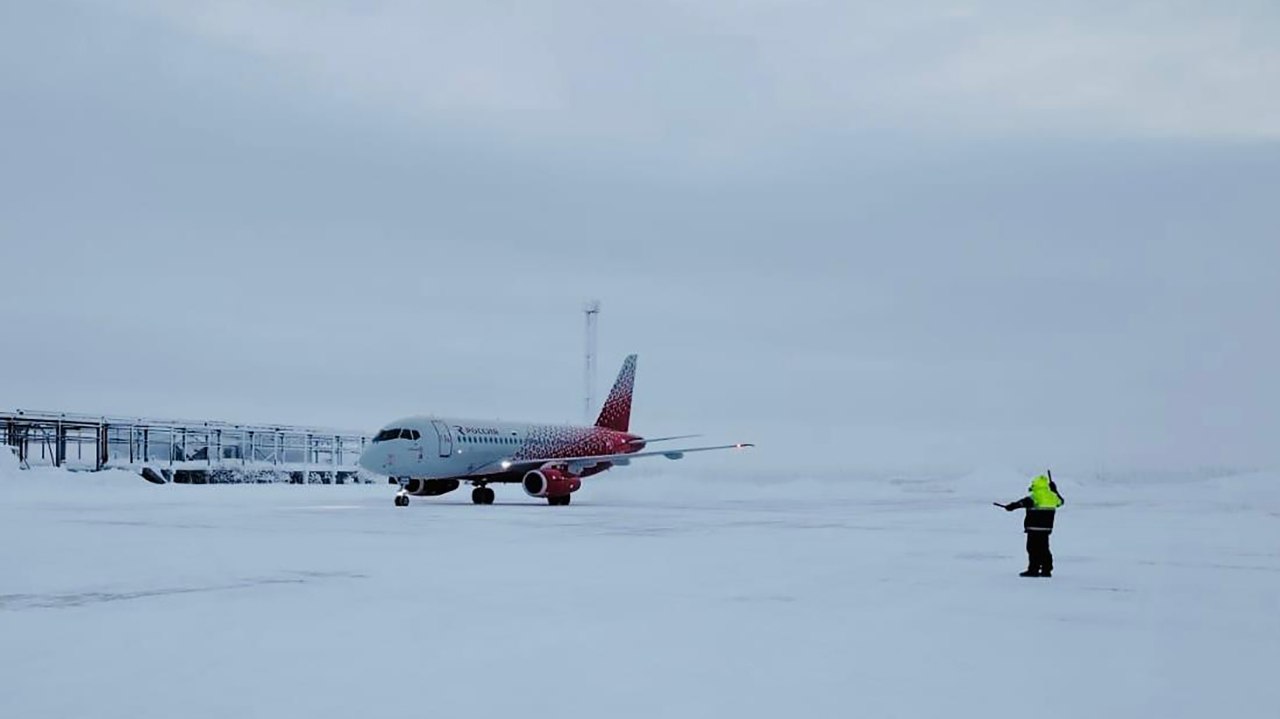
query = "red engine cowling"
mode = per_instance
[{"x": 550, "y": 483}]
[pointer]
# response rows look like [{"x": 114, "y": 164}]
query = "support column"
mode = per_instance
[
  {"x": 277, "y": 446},
  {"x": 102, "y": 446},
  {"x": 59, "y": 445},
  {"x": 333, "y": 459}
]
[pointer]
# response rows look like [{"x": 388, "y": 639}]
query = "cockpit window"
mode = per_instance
[{"x": 387, "y": 434}]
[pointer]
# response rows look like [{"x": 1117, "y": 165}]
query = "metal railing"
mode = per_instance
[{"x": 190, "y": 450}]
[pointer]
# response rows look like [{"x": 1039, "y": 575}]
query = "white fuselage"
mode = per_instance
[{"x": 442, "y": 447}]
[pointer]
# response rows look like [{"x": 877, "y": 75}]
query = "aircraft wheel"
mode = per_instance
[
  {"x": 488, "y": 495},
  {"x": 402, "y": 500},
  {"x": 477, "y": 495}
]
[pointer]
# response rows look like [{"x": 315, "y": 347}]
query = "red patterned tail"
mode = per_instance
[{"x": 616, "y": 412}]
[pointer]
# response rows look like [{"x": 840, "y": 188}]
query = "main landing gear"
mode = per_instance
[
  {"x": 482, "y": 495},
  {"x": 559, "y": 501}
]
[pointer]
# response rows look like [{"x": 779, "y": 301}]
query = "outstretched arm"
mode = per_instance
[{"x": 1024, "y": 503}]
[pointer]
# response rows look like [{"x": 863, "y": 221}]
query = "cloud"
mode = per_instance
[
  {"x": 730, "y": 77},
  {"x": 942, "y": 233}
]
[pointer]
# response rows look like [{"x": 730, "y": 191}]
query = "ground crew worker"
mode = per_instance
[{"x": 1041, "y": 503}]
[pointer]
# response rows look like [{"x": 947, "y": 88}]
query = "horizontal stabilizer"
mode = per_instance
[{"x": 651, "y": 440}]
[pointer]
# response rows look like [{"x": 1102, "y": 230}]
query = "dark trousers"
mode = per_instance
[{"x": 1039, "y": 558}]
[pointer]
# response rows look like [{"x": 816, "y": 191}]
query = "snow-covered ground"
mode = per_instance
[{"x": 678, "y": 595}]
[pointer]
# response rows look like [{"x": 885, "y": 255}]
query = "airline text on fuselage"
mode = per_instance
[{"x": 475, "y": 430}]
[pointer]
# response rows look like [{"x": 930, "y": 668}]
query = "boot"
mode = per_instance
[
  {"x": 1046, "y": 573},
  {"x": 1029, "y": 573}
]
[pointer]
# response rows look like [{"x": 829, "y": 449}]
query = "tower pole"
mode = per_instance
[{"x": 592, "y": 311}]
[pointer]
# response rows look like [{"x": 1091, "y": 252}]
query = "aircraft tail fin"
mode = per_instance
[{"x": 616, "y": 412}]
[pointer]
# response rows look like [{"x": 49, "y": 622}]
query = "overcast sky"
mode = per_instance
[{"x": 865, "y": 236}]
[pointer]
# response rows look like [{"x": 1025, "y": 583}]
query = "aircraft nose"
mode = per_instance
[{"x": 373, "y": 460}]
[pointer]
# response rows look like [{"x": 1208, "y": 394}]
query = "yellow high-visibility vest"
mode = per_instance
[{"x": 1044, "y": 497}]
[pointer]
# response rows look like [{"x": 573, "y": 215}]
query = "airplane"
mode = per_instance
[{"x": 431, "y": 456}]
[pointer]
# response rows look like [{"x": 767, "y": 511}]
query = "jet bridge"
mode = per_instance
[{"x": 194, "y": 451}]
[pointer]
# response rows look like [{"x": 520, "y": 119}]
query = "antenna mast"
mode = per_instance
[{"x": 592, "y": 311}]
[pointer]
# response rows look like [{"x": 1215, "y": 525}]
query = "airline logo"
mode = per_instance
[{"x": 475, "y": 430}]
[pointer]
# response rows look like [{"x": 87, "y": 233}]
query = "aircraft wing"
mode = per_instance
[{"x": 577, "y": 465}]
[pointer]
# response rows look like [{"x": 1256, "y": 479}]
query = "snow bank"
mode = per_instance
[
  {"x": 1005, "y": 484},
  {"x": 8, "y": 463},
  {"x": 15, "y": 479},
  {"x": 995, "y": 484},
  {"x": 1246, "y": 490}
]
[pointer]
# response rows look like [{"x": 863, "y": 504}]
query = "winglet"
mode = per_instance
[{"x": 616, "y": 412}]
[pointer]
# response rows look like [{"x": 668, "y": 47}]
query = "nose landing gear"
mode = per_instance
[
  {"x": 402, "y": 499},
  {"x": 482, "y": 495}
]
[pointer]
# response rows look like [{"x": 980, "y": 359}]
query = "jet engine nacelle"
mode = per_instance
[
  {"x": 430, "y": 487},
  {"x": 550, "y": 483}
]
